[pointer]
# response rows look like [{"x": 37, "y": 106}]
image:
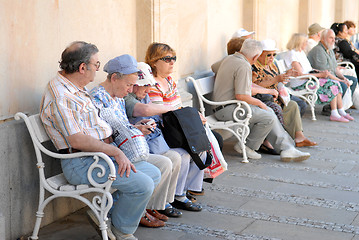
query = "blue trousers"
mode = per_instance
[{"x": 133, "y": 193}]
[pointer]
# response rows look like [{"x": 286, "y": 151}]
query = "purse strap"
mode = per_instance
[{"x": 198, "y": 161}]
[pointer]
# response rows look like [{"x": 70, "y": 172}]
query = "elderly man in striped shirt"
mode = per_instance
[{"x": 73, "y": 124}]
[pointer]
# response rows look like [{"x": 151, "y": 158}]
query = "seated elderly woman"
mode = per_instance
[
  {"x": 329, "y": 91},
  {"x": 108, "y": 99},
  {"x": 161, "y": 57},
  {"x": 265, "y": 74}
]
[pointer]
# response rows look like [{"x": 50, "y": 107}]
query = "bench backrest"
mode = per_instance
[
  {"x": 38, "y": 128},
  {"x": 205, "y": 85}
]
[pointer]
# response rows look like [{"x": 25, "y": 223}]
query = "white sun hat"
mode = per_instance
[
  {"x": 145, "y": 76},
  {"x": 269, "y": 45},
  {"x": 241, "y": 33}
]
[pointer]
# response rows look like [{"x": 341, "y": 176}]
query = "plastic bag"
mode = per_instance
[
  {"x": 284, "y": 94},
  {"x": 219, "y": 165}
]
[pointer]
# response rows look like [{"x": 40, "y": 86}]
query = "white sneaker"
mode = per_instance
[
  {"x": 250, "y": 153},
  {"x": 94, "y": 219},
  {"x": 122, "y": 236},
  {"x": 293, "y": 154}
]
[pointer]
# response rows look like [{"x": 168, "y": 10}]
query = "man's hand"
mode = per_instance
[
  {"x": 263, "y": 105},
  {"x": 124, "y": 165},
  {"x": 347, "y": 82}
]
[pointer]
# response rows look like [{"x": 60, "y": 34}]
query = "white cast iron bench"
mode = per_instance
[
  {"x": 58, "y": 186},
  {"x": 204, "y": 86}
]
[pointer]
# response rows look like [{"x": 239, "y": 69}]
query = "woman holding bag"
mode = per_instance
[
  {"x": 161, "y": 57},
  {"x": 266, "y": 74}
]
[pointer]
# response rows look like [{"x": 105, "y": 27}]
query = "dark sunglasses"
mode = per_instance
[
  {"x": 271, "y": 54},
  {"x": 168, "y": 59}
]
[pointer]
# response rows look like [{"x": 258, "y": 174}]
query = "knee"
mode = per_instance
[
  {"x": 166, "y": 166},
  {"x": 185, "y": 161},
  {"x": 176, "y": 160},
  {"x": 156, "y": 176}
]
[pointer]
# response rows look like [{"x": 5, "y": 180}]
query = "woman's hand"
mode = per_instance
[
  {"x": 324, "y": 74},
  {"x": 203, "y": 119},
  {"x": 281, "y": 77},
  {"x": 146, "y": 126},
  {"x": 292, "y": 73},
  {"x": 274, "y": 93}
]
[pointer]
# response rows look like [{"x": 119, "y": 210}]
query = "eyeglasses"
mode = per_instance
[
  {"x": 168, "y": 59},
  {"x": 271, "y": 54},
  {"x": 97, "y": 65}
]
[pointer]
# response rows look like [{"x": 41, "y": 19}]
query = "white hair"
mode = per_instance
[
  {"x": 325, "y": 33},
  {"x": 251, "y": 48}
]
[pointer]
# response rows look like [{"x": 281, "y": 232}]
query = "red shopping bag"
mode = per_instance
[{"x": 215, "y": 168}]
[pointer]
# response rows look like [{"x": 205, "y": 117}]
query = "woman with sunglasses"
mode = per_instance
[
  {"x": 266, "y": 75},
  {"x": 161, "y": 58},
  {"x": 329, "y": 91}
]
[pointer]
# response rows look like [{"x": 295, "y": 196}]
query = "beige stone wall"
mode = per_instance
[{"x": 34, "y": 33}]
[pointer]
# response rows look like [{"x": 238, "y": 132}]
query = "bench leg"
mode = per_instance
[
  {"x": 313, "y": 113},
  {"x": 35, "y": 233},
  {"x": 245, "y": 158}
]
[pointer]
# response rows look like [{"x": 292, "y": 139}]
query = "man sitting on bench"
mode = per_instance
[{"x": 72, "y": 123}]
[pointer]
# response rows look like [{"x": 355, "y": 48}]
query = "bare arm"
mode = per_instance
[
  {"x": 341, "y": 77},
  {"x": 258, "y": 89},
  {"x": 150, "y": 109},
  {"x": 87, "y": 143},
  {"x": 322, "y": 74},
  {"x": 251, "y": 100}
]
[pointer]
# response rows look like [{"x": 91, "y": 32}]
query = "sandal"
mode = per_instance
[
  {"x": 189, "y": 206},
  {"x": 196, "y": 193},
  {"x": 266, "y": 150},
  {"x": 171, "y": 212},
  {"x": 191, "y": 197}
]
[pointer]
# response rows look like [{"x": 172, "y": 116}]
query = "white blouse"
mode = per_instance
[{"x": 300, "y": 57}]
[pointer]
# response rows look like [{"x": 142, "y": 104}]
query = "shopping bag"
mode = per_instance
[
  {"x": 219, "y": 165},
  {"x": 347, "y": 99},
  {"x": 284, "y": 94}
]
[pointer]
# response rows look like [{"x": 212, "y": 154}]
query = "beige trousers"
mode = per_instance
[
  {"x": 292, "y": 119},
  {"x": 169, "y": 164}
]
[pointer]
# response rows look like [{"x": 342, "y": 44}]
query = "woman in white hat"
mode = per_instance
[
  {"x": 266, "y": 75},
  {"x": 139, "y": 107}
]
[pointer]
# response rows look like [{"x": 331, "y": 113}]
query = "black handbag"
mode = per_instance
[
  {"x": 264, "y": 97},
  {"x": 183, "y": 128}
]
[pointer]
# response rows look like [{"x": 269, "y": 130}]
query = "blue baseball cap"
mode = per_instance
[{"x": 125, "y": 64}]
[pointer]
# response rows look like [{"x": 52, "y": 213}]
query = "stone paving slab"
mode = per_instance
[
  {"x": 271, "y": 207},
  {"x": 266, "y": 198},
  {"x": 294, "y": 232}
]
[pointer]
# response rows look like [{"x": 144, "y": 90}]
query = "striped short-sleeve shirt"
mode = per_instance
[
  {"x": 66, "y": 110},
  {"x": 171, "y": 97}
]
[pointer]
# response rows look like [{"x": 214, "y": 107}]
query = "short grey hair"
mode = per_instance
[
  {"x": 325, "y": 33},
  {"x": 118, "y": 75},
  {"x": 251, "y": 48}
]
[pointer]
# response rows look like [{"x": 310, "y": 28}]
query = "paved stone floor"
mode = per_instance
[{"x": 267, "y": 199}]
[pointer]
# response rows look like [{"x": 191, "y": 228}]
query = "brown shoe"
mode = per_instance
[
  {"x": 150, "y": 221},
  {"x": 305, "y": 143},
  {"x": 157, "y": 215}
]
